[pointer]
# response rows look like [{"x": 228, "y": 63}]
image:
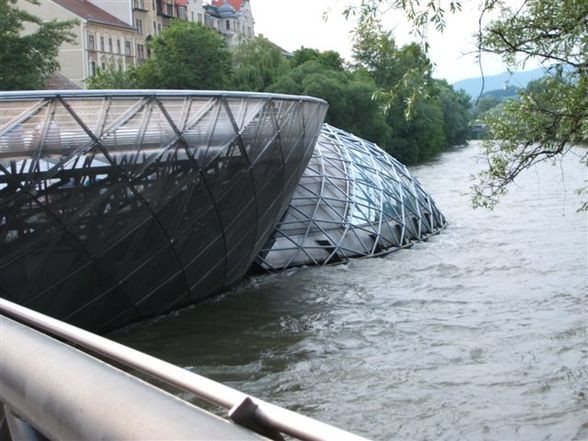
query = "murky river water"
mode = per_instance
[{"x": 481, "y": 333}]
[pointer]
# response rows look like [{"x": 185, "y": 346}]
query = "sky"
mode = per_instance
[{"x": 295, "y": 23}]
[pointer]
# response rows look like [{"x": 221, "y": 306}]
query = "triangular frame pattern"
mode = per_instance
[
  {"x": 353, "y": 200},
  {"x": 116, "y": 206}
]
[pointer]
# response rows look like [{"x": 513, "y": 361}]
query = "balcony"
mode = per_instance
[{"x": 165, "y": 9}]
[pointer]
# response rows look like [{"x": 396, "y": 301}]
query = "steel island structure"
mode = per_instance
[
  {"x": 353, "y": 200},
  {"x": 117, "y": 206}
]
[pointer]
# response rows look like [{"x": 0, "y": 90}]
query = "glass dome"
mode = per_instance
[{"x": 353, "y": 200}]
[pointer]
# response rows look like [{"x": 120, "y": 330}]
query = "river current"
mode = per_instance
[{"x": 479, "y": 333}]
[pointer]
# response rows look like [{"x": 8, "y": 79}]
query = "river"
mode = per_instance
[{"x": 480, "y": 333}]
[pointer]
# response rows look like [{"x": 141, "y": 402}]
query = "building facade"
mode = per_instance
[
  {"x": 100, "y": 38},
  {"x": 233, "y": 19},
  {"x": 116, "y": 34}
]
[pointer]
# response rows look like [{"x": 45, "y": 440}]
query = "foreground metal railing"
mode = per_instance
[{"x": 252, "y": 413}]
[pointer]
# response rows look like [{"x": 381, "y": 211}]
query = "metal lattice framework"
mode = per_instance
[
  {"x": 120, "y": 205},
  {"x": 353, "y": 200}
]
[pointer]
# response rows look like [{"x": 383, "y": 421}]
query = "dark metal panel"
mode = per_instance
[{"x": 119, "y": 205}]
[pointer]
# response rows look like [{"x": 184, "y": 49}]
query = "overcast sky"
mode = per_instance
[{"x": 295, "y": 23}]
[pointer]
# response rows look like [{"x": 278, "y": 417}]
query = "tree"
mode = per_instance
[
  {"x": 258, "y": 63},
  {"x": 186, "y": 56},
  {"x": 456, "y": 108},
  {"x": 425, "y": 116},
  {"x": 551, "y": 116},
  {"x": 329, "y": 59},
  {"x": 544, "y": 123},
  {"x": 402, "y": 74},
  {"x": 349, "y": 95},
  {"x": 28, "y": 60},
  {"x": 112, "y": 77}
]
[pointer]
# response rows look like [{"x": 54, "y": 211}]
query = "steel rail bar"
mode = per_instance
[
  {"x": 56, "y": 390},
  {"x": 162, "y": 93},
  {"x": 264, "y": 414}
]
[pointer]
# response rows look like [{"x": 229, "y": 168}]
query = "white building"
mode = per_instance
[
  {"x": 232, "y": 18},
  {"x": 116, "y": 32},
  {"x": 100, "y": 38}
]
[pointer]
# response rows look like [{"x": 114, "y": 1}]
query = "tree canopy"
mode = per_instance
[
  {"x": 349, "y": 95},
  {"x": 28, "y": 60},
  {"x": 551, "y": 115},
  {"x": 258, "y": 63},
  {"x": 548, "y": 118},
  {"x": 186, "y": 56}
]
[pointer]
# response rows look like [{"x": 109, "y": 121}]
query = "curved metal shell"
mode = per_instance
[
  {"x": 120, "y": 205},
  {"x": 353, "y": 200}
]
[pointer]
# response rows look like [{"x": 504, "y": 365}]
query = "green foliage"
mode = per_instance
[
  {"x": 112, "y": 78},
  {"x": 550, "y": 116},
  {"x": 419, "y": 13},
  {"x": 329, "y": 59},
  {"x": 28, "y": 60},
  {"x": 403, "y": 74},
  {"x": 349, "y": 95},
  {"x": 258, "y": 64},
  {"x": 425, "y": 116},
  {"x": 186, "y": 56},
  {"x": 421, "y": 137},
  {"x": 455, "y": 107}
]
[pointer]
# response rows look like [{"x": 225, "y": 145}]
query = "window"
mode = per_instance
[
  {"x": 154, "y": 28},
  {"x": 169, "y": 9},
  {"x": 128, "y": 49},
  {"x": 182, "y": 13},
  {"x": 140, "y": 52},
  {"x": 139, "y": 4},
  {"x": 159, "y": 28},
  {"x": 92, "y": 67},
  {"x": 103, "y": 65},
  {"x": 228, "y": 25},
  {"x": 153, "y": 5},
  {"x": 118, "y": 45},
  {"x": 192, "y": 15},
  {"x": 91, "y": 45},
  {"x": 139, "y": 25},
  {"x": 110, "y": 45},
  {"x": 102, "y": 44},
  {"x": 199, "y": 18}
]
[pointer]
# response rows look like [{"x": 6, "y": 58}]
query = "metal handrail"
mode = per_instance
[
  {"x": 50, "y": 390},
  {"x": 245, "y": 410},
  {"x": 162, "y": 93}
]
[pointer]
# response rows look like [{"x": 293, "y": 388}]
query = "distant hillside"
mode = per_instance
[
  {"x": 502, "y": 94},
  {"x": 473, "y": 86}
]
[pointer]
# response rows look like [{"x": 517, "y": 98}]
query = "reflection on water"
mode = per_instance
[{"x": 481, "y": 333}]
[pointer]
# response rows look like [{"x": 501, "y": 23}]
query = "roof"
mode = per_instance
[
  {"x": 90, "y": 12},
  {"x": 59, "y": 82},
  {"x": 236, "y": 4}
]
